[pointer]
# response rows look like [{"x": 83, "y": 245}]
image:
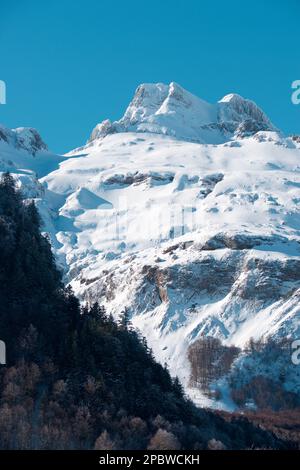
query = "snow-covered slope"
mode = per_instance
[{"x": 184, "y": 212}]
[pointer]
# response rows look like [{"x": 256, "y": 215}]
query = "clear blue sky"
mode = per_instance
[{"x": 70, "y": 64}]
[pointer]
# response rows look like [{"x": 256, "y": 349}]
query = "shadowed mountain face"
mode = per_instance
[{"x": 186, "y": 213}]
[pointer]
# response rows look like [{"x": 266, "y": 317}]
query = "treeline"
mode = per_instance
[
  {"x": 256, "y": 382},
  {"x": 209, "y": 360},
  {"x": 76, "y": 379},
  {"x": 284, "y": 424},
  {"x": 268, "y": 365}
]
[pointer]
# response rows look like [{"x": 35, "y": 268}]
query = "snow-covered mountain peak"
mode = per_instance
[
  {"x": 171, "y": 110},
  {"x": 23, "y": 151},
  {"x": 186, "y": 106},
  {"x": 233, "y": 107},
  {"x": 147, "y": 100},
  {"x": 24, "y": 138}
]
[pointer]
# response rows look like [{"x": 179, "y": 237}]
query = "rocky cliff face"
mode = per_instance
[{"x": 235, "y": 291}]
